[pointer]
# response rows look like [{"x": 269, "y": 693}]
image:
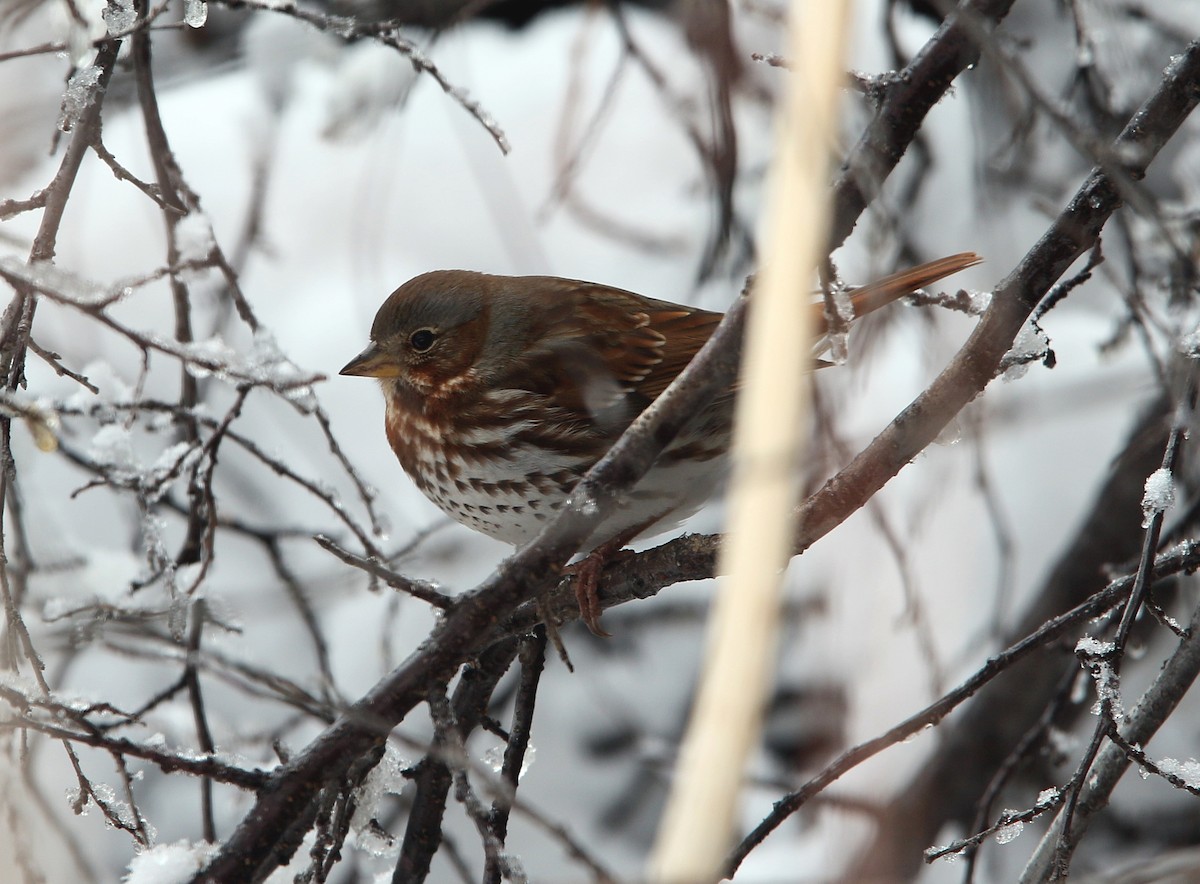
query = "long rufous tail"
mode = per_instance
[{"x": 882, "y": 292}]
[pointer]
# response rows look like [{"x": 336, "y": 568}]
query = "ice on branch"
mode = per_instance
[
  {"x": 1031, "y": 345},
  {"x": 112, "y": 449},
  {"x": 979, "y": 302},
  {"x": 169, "y": 863},
  {"x": 81, "y": 92},
  {"x": 1159, "y": 495},
  {"x": 194, "y": 238},
  {"x": 1189, "y": 344},
  {"x": 280, "y": 373},
  {"x": 1094, "y": 647},
  {"x": 116, "y": 812},
  {"x": 1097, "y": 657},
  {"x": 208, "y": 357},
  {"x": 15, "y": 684},
  {"x": 493, "y": 757},
  {"x": 265, "y": 365},
  {"x": 585, "y": 504},
  {"x": 61, "y": 285},
  {"x": 1048, "y": 797},
  {"x": 120, "y": 16},
  {"x": 1108, "y": 690},
  {"x": 837, "y": 339},
  {"x": 1012, "y": 831},
  {"x": 195, "y": 13},
  {"x": 387, "y": 778},
  {"x": 1188, "y": 771}
]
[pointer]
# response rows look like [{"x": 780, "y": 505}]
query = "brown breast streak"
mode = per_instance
[{"x": 467, "y": 479}]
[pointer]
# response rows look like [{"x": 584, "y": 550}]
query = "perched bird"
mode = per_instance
[{"x": 502, "y": 391}]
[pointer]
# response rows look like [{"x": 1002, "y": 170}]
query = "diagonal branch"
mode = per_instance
[
  {"x": 1155, "y": 706},
  {"x": 1171, "y": 563},
  {"x": 908, "y": 98},
  {"x": 1073, "y": 233}
]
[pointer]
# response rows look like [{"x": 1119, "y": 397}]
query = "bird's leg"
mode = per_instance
[{"x": 587, "y": 576}]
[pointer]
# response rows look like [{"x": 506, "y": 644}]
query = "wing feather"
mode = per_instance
[{"x": 602, "y": 354}]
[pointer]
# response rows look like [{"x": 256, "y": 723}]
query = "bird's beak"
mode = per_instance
[{"x": 372, "y": 363}]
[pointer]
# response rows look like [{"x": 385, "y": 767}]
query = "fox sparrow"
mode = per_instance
[{"x": 502, "y": 391}]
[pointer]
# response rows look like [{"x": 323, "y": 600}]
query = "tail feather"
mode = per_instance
[{"x": 871, "y": 297}]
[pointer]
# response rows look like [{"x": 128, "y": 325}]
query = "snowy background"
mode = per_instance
[{"x": 353, "y": 173}]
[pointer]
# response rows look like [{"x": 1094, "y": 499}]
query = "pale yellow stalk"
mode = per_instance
[{"x": 698, "y": 824}]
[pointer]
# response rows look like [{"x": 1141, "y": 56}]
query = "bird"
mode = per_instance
[{"x": 501, "y": 392}]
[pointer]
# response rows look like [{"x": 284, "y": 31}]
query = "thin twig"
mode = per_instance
[
  {"x": 533, "y": 659},
  {"x": 1181, "y": 560},
  {"x": 386, "y": 33},
  {"x": 191, "y": 677}
]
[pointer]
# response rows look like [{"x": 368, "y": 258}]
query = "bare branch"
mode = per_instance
[{"x": 386, "y": 33}]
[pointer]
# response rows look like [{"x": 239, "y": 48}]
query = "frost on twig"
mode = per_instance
[
  {"x": 1031, "y": 345},
  {"x": 1159, "y": 496},
  {"x": 81, "y": 92},
  {"x": 264, "y": 365},
  {"x": 386, "y": 34}
]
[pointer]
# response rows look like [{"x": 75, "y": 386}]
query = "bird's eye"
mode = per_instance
[{"x": 422, "y": 339}]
